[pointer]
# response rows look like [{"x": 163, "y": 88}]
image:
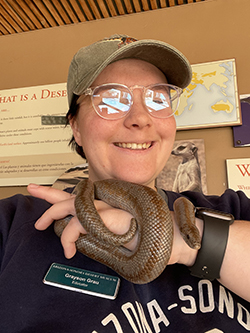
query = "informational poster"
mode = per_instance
[
  {"x": 33, "y": 136},
  {"x": 238, "y": 174}
]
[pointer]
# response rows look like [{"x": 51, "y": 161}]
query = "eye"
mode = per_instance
[
  {"x": 180, "y": 148},
  {"x": 158, "y": 101}
]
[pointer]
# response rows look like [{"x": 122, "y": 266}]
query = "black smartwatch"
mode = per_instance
[{"x": 213, "y": 245}]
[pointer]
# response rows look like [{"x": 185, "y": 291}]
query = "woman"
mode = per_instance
[{"x": 130, "y": 142}]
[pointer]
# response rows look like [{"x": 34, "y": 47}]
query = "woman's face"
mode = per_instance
[{"x": 116, "y": 148}]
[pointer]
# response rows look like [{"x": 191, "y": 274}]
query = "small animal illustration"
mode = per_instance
[{"x": 188, "y": 176}]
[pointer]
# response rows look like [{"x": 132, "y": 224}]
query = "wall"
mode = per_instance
[{"x": 204, "y": 31}]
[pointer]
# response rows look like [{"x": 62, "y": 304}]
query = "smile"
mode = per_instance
[{"x": 133, "y": 145}]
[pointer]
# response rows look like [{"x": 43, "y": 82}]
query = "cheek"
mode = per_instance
[
  {"x": 168, "y": 132},
  {"x": 83, "y": 125},
  {"x": 173, "y": 128},
  {"x": 94, "y": 133},
  {"x": 168, "y": 129}
]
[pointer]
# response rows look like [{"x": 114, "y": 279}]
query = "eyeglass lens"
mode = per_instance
[{"x": 114, "y": 101}]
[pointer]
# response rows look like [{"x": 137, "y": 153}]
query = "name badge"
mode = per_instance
[{"x": 83, "y": 281}]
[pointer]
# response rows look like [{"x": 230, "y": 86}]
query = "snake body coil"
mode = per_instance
[{"x": 152, "y": 221}]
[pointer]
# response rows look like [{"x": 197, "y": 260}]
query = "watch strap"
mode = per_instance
[{"x": 214, "y": 241}]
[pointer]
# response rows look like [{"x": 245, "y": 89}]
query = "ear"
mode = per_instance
[
  {"x": 194, "y": 150},
  {"x": 76, "y": 132}
]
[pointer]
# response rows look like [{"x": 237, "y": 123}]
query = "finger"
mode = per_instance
[
  {"x": 51, "y": 195},
  {"x": 58, "y": 211},
  {"x": 70, "y": 235}
]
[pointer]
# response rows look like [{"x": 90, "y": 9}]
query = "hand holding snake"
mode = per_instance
[{"x": 152, "y": 222}]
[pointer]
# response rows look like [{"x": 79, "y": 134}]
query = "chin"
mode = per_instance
[{"x": 142, "y": 180}]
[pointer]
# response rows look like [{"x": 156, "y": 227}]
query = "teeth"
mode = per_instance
[{"x": 134, "y": 145}]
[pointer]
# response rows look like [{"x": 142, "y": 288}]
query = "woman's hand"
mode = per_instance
[
  {"x": 62, "y": 206},
  {"x": 118, "y": 221}
]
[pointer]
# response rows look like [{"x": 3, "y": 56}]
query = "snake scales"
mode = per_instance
[{"x": 152, "y": 221}]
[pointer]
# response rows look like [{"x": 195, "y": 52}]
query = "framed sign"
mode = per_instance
[
  {"x": 211, "y": 99},
  {"x": 185, "y": 169},
  {"x": 238, "y": 174},
  {"x": 33, "y": 136}
]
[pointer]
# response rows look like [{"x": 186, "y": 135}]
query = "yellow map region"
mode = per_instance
[
  {"x": 223, "y": 106},
  {"x": 206, "y": 75}
]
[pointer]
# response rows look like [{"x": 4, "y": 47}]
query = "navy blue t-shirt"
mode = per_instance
[{"x": 174, "y": 302}]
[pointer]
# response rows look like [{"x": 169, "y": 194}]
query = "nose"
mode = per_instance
[{"x": 138, "y": 116}]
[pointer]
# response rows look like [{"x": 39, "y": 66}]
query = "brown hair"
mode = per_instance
[{"x": 71, "y": 114}]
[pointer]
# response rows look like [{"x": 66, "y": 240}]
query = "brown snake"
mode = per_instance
[{"x": 152, "y": 221}]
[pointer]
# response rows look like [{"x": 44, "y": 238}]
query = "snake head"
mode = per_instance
[{"x": 185, "y": 218}]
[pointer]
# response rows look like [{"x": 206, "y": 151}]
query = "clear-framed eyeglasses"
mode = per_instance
[{"x": 114, "y": 101}]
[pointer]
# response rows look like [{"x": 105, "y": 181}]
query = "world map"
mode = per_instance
[{"x": 211, "y": 99}]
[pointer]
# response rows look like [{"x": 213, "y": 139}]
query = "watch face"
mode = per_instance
[{"x": 200, "y": 211}]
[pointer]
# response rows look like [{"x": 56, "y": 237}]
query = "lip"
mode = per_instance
[{"x": 134, "y": 145}]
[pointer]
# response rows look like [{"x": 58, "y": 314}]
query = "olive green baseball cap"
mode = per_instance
[{"x": 89, "y": 61}]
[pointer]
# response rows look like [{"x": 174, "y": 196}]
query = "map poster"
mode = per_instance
[
  {"x": 238, "y": 175},
  {"x": 33, "y": 136},
  {"x": 211, "y": 99}
]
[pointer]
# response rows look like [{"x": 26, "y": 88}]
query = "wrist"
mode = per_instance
[
  {"x": 214, "y": 242},
  {"x": 181, "y": 252}
]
